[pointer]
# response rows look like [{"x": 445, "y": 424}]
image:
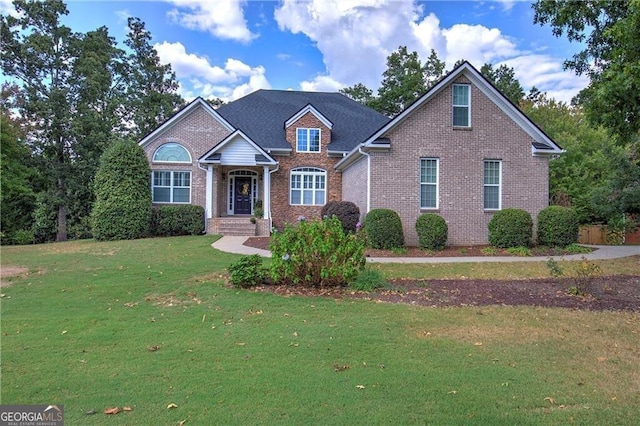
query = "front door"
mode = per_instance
[{"x": 242, "y": 195}]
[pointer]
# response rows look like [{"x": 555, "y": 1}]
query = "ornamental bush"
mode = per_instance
[
  {"x": 122, "y": 209},
  {"x": 511, "y": 228},
  {"x": 247, "y": 272},
  {"x": 383, "y": 228},
  {"x": 177, "y": 220},
  {"x": 432, "y": 231},
  {"x": 557, "y": 226},
  {"x": 316, "y": 253},
  {"x": 347, "y": 213}
]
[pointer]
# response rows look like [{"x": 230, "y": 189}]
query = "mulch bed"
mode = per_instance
[{"x": 619, "y": 292}]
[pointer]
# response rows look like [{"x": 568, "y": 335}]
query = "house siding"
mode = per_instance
[
  {"x": 282, "y": 211},
  {"x": 354, "y": 185},
  {"x": 198, "y": 132},
  {"x": 428, "y": 132}
]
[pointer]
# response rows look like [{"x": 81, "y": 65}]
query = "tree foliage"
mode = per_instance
[
  {"x": 123, "y": 198},
  {"x": 505, "y": 80}
]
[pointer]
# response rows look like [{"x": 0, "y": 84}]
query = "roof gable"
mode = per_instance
[
  {"x": 185, "y": 111},
  {"x": 237, "y": 149},
  {"x": 309, "y": 109}
]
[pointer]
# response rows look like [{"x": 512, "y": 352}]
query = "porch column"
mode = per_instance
[
  {"x": 266, "y": 191},
  {"x": 209, "y": 193}
]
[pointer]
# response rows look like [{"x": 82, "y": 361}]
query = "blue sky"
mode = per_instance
[{"x": 229, "y": 48}]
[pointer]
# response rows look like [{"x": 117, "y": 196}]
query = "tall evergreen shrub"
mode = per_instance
[{"x": 122, "y": 209}]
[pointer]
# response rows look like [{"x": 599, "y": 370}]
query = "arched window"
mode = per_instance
[
  {"x": 171, "y": 153},
  {"x": 308, "y": 186}
]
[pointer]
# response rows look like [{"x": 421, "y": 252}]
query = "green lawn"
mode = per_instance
[{"x": 76, "y": 330}]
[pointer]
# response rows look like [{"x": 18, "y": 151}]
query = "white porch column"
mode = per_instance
[
  {"x": 266, "y": 191},
  {"x": 209, "y": 193}
]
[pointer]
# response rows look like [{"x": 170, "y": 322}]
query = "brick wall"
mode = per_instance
[
  {"x": 281, "y": 210},
  {"x": 198, "y": 132},
  {"x": 428, "y": 132}
]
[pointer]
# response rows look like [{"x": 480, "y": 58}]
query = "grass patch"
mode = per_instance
[{"x": 76, "y": 330}]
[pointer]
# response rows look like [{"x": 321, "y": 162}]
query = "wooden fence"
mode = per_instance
[{"x": 597, "y": 235}]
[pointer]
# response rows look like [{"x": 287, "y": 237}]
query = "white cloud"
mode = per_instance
[
  {"x": 230, "y": 82},
  {"x": 222, "y": 18},
  {"x": 356, "y": 36},
  {"x": 6, "y": 8}
]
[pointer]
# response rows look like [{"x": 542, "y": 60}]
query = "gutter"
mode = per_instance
[{"x": 366, "y": 154}]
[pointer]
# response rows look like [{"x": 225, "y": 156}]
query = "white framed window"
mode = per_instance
[
  {"x": 308, "y": 186},
  {"x": 171, "y": 153},
  {"x": 171, "y": 187},
  {"x": 429, "y": 174},
  {"x": 492, "y": 185},
  {"x": 462, "y": 105},
  {"x": 307, "y": 140}
]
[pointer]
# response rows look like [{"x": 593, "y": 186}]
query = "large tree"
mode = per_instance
[
  {"x": 37, "y": 50},
  {"x": 504, "y": 79},
  {"x": 152, "y": 95},
  {"x": 610, "y": 34}
]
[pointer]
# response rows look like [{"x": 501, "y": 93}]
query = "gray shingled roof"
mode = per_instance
[{"x": 261, "y": 116}]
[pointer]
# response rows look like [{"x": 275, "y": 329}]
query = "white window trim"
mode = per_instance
[
  {"x": 308, "y": 129},
  {"x": 499, "y": 185},
  {"x": 437, "y": 183},
  {"x": 468, "y": 106},
  {"x": 171, "y": 186},
  {"x": 172, "y": 162},
  {"x": 308, "y": 171}
]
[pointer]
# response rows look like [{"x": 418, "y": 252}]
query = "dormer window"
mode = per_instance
[
  {"x": 461, "y": 105},
  {"x": 307, "y": 140}
]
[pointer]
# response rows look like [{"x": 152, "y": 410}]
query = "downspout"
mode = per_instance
[
  {"x": 368, "y": 177},
  {"x": 270, "y": 203}
]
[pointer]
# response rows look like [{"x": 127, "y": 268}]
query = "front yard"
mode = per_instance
[{"x": 150, "y": 324}]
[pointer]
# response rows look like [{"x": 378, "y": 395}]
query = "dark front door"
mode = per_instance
[{"x": 242, "y": 195}]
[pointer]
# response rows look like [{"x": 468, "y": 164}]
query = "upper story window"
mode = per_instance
[
  {"x": 307, "y": 140},
  {"x": 461, "y": 105},
  {"x": 492, "y": 184},
  {"x": 171, "y": 153},
  {"x": 308, "y": 186},
  {"x": 428, "y": 183}
]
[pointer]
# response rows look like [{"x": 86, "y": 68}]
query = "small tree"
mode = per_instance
[
  {"x": 123, "y": 197},
  {"x": 347, "y": 213}
]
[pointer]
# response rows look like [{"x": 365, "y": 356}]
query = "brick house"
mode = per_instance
[{"x": 462, "y": 150}]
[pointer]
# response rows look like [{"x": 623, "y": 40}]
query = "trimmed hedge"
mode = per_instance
[
  {"x": 432, "y": 231},
  {"x": 557, "y": 226},
  {"x": 383, "y": 228},
  {"x": 347, "y": 213},
  {"x": 169, "y": 221},
  {"x": 123, "y": 197},
  {"x": 511, "y": 228}
]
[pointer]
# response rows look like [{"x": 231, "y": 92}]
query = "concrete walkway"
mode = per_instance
[{"x": 235, "y": 245}]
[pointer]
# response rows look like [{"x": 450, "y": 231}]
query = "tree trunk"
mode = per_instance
[{"x": 61, "y": 234}]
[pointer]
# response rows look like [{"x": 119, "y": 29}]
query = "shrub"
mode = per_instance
[
  {"x": 247, "y": 272},
  {"x": 316, "y": 253},
  {"x": 557, "y": 226},
  {"x": 347, "y": 213},
  {"x": 177, "y": 220},
  {"x": 511, "y": 228},
  {"x": 123, "y": 197},
  {"x": 369, "y": 280},
  {"x": 23, "y": 237},
  {"x": 384, "y": 229},
  {"x": 432, "y": 231}
]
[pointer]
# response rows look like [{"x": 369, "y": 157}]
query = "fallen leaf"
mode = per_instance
[
  {"x": 477, "y": 344},
  {"x": 171, "y": 406},
  {"x": 64, "y": 332},
  {"x": 551, "y": 400},
  {"x": 338, "y": 367},
  {"x": 240, "y": 343},
  {"x": 154, "y": 348},
  {"x": 601, "y": 358},
  {"x": 127, "y": 409},
  {"x": 359, "y": 386},
  {"x": 182, "y": 422},
  {"x": 453, "y": 392},
  {"x": 114, "y": 410}
]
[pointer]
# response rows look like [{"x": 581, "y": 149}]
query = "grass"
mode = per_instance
[{"x": 76, "y": 331}]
